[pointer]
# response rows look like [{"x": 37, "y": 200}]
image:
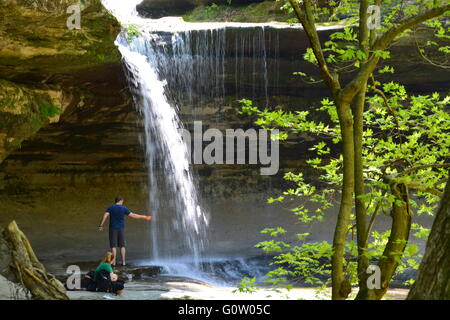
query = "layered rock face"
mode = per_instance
[
  {"x": 62, "y": 178},
  {"x": 69, "y": 82},
  {"x": 42, "y": 62}
]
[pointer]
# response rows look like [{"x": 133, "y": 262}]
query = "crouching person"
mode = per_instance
[{"x": 105, "y": 280}]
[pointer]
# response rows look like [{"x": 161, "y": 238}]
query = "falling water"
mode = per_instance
[
  {"x": 182, "y": 229},
  {"x": 169, "y": 69}
]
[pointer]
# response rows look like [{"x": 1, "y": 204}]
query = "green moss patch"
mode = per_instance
[
  {"x": 48, "y": 110},
  {"x": 258, "y": 12}
]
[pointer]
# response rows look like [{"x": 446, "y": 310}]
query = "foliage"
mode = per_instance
[
  {"x": 342, "y": 51},
  {"x": 132, "y": 32},
  {"x": 234, "y": 12},
  {"x": 211, "y": 7},
  {"x": 418, "y": 137},
  {"x": 48, "y": 110},
  {"x": 247, "y": 285}
]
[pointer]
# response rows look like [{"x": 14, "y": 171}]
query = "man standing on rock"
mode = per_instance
[{"x": 117, "y": 213}]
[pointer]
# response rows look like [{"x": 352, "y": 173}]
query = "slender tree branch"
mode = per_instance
[
  {"x": 424, "y": 57},
  {"x": 385, "y": 40},
  {"x": 426, "y": 189},
  {"x": 352, "y": 88},
  {"x": 425, "y": 166},
  {"x": 309, "y": 25},
  {"x": 373, "y": 216},
  {"x": 388, "y": 106},
  {"x": 386, "y": 102}
]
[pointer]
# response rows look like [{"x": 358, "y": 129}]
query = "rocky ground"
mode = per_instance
[
  {"x": 150, "y": 283},
  {"x": 11, "y": 291},
  {"x": 173, "y": 288}
]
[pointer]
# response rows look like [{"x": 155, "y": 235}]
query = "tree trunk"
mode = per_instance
[
  {"x": 433, "y": 279},
  {"x": 340, "y": 284},
  {"x": 24, "y": 268},
  {"x": 398, "y": 239},
  {"x": 360, "y": 207},
  {"x": 358, "y": 129}
]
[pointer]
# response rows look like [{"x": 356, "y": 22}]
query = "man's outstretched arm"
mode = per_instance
[
  {"x": 102, "y": 222},
  {"x": 138, "y": 216}
]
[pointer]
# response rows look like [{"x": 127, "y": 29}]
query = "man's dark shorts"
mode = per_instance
[{"x": 116, "y": 238}]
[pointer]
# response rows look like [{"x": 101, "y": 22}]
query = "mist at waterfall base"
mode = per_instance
[{"x": 166, "y": 71}]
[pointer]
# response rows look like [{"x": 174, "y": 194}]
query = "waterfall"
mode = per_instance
[
  {"x": 179, "y": 226},
  {"x": 171, "y": 68}
]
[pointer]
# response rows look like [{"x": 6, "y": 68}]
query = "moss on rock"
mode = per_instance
[
  {"x": 24, "y": 109},
  {"x": 257, "y": 12},
  {"x": 38, "y": 47},
  {"x": 215, "y": 10},
  {"x": 37, "y": 43}
]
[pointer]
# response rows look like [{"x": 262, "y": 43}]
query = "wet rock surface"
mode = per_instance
[{"x": 149, "y": 283}]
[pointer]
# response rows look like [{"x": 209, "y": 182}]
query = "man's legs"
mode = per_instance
[
  {"x": 114, "y": 252},
  {"x": 113, "y": 243},
  {"x": 122, "y": 244},
  {"x": 122, "y": 253}
]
